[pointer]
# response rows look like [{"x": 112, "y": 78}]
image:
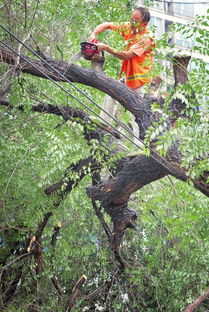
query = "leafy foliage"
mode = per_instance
[{"x": 167, "y": 258}]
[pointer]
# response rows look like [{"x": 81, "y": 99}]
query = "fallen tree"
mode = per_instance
[{"x": 132, "y": 173}]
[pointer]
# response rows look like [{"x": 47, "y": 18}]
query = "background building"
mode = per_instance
[
  {"x": 182, "y": 12},
  {"x": 165, "y": 13}
]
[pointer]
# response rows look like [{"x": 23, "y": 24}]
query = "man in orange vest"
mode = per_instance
[{"x": 137, "y": 58}]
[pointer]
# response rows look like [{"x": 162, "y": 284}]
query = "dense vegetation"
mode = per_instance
[{"x": 52, "y": 150}]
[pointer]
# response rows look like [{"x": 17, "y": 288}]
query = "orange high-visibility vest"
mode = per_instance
[{"x": 138, "y": 68}]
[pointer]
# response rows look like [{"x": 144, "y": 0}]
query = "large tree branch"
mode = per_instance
[
  {"x": 133, "y": 174},
  {"x": 79, "y": 167},
  {"x": 94, "y": 78},
  {"x": 66, "y": 112},
  {"x": 115, "y": 193},
  {"x": 136, "y": 172}
]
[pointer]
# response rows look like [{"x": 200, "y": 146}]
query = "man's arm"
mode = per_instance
[
  {"x": 123, "y": 55},
  {"x": 100, "y": 28},
  {"x": 137, "y": 49}
]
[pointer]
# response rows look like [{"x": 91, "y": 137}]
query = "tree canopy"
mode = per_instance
[{"x": 72, "y": 190}]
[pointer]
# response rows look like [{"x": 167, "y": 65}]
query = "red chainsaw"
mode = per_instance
[{"x": 88, "y": 49}]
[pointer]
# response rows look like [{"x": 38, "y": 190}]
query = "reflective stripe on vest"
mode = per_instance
[{"x": 138, "y": 76}]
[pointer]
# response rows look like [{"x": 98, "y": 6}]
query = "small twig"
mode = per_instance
[
  {"x": 34, "y": 14},
  {"x": 60, "y": 51},
  {"x": 108, "y": 293},
  {"x": 56, "y": 287},
  {"x": 175, "y": 191},
  {"x": 102, "y": 220},
  {"x": 19, "y": 48},
  {"x": 55, "y": 234},
  {"x": 157, "y": 218},
  {"x": 26, "y": 13},
  {"x": 18, "y": 258}
]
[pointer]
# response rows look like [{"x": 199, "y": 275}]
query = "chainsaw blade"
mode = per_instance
[{"x": 74, "y": 58}]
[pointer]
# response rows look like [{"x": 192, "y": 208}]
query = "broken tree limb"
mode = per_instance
[
  {"x": 75, "y": 292},
  {"x": 133, "y": 173},
  {"x": 118, "y": 257},
  {"x": 114, "y": 193},
  {"x": 29, "y": 249},
  {"x": 66, "y": 112},
  {"x": 54, "y": 279},
  {"x": 198, "y": 301}
]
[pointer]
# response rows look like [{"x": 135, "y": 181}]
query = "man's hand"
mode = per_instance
[
  {"x": 102, "y": 46},
  {"x": 92, "y": 37}
]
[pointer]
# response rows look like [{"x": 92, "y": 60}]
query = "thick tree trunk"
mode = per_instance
[
  {"x": 135, "y": 174},
  {"x": 180, "y": 69}
]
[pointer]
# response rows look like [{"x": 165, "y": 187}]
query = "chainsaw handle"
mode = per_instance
[
  {"x": 88, "y": 49},
  {"x": 89, "y": 45}
]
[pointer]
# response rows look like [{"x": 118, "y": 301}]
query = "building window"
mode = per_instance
[
  {"x": 157, "y": 25},
  {"x": 153, "y": 3},
  {"x": 167, "y": 30},
  {"x": 184, "y": 9},
  {"x": 158, "y": 5}
]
